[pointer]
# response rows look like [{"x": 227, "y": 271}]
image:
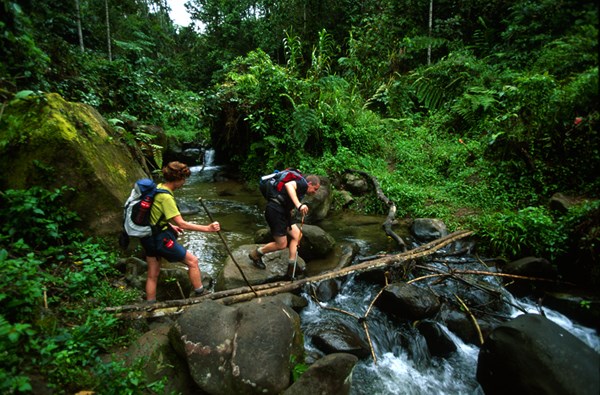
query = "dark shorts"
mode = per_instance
[
  {"x": 164, "y": 244},
  {"x": 278, "y": 218}
]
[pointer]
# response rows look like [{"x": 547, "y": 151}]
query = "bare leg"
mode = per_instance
[
  {"x": 294, "y": 233},
  {"x": 152, "y": 278},
  {"x": 279, "y": 243},
  {"x": 194, "y": 271}
]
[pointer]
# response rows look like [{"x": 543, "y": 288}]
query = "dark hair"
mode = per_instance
[
  {"x": 175, "y": 171},
  {"x": 313, "y": 179}
]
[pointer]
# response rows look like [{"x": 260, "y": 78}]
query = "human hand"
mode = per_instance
[
  {"x": 176, "y": 228},
  {"x": 215, "y": 227},
  {"x": 303, "y": 209}
]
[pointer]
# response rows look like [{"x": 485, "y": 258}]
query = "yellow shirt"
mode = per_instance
[{"x": 164, "y": 207}]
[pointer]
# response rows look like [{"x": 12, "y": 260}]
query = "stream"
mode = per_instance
[{"x": 403, "y": 364}]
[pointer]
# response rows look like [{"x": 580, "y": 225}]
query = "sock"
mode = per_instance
[
  {"x": 290, "y": 262},
  {"x": 199, "y": 290},
  {"x": 259, "y": 250}
]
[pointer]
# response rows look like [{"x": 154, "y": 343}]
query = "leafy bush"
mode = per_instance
[
  {"x": 35, "y": 217},
  {"x": 53, "y": 287},
  {"x": 529, "y": 231}
]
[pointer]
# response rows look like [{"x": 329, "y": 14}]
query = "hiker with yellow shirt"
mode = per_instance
[{"x": 168, "y": 222}]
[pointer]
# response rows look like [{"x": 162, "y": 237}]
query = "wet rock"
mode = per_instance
[
  {"x": 530, "y": 267},
  {"x": 438, "y": 341},
  {"x": 427, "y": 229},
  {"x": 315, "y": 242},
  {"x": 561, "y": 203},
  {"x": 581, "y": 307},
  {"x": 173, "y": 279},
  {"x": 331, "y": 374},
  {"x": 459, "y": 323},
  {"x": 276, "y": 268},
  {"x": 532, "y": 355},
  {"x": 408, "y": 302},
  {"x": 327, "y": 290},
  {"x": 337, "y": 337}
]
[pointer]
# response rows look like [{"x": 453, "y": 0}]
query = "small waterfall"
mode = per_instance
[{"x": 209, "y": 157}]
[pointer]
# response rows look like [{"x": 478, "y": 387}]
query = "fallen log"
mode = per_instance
[{"x": 174, "y": 307}]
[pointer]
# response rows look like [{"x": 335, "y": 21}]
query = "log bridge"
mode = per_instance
[{"x": 242, "y": 294}]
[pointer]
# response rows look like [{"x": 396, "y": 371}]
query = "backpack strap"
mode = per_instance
[{"x": 155, "y": 227}]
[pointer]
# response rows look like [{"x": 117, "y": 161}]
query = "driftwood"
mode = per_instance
[
  {"x": 387, "y": 224},
  {"x": 172, "y": 307}
]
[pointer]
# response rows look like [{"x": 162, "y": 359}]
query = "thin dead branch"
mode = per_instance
[{"x": 391, "y": 216}]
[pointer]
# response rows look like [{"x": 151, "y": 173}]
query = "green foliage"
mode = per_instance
[
  {"x": 529, "y": 231},
  {"x": 298, "y": 368},
  {"x": 52, "y": 299},
  {"x": 34, "y": 218}
]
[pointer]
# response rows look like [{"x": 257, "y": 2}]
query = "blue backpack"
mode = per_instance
[{"x": 136, "y": 211}]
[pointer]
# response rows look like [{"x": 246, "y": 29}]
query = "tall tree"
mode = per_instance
[
  {"x": 79, "y": 32},
  {"x": 108, "y": 31}
]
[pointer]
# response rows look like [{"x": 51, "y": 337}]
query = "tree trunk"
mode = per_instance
[
  {"x": 430, "y": 28},
  {"x": 108, "y": 31},
  {"x": 243, "y": 294},
  {"x": 79, "y": 32}
]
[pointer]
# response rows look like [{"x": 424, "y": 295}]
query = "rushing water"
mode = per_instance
[{"x": 402, "y": 365}]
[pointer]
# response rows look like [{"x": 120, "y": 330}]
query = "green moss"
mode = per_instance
[{"x": 49, "y": 142}]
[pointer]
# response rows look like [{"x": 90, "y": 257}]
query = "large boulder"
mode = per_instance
[
  {"x": 315, "y": 243},
  {"x": 319, "y": 203},
  {"x": 427, "y": 229},
  {"x": 408, "y": 302},
  {"x": 230, "y": 277},
  {"x": 49, "y": 142},
  {"x": 532, "y": 355},
  {"x": 247, "y": 348}
]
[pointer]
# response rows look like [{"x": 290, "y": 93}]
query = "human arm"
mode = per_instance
[
  {"x": 180, "y": 224},
  {"x": 291, "y": 190}
]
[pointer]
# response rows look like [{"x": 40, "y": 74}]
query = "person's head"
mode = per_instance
[
  {"x": 314, "y": 183},
  {"x": 176, "y": 171}
]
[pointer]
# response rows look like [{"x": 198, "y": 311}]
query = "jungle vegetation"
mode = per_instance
[{"x": 475, "y": 112}]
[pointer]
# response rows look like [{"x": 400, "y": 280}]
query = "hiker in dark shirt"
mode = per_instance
[
  {"x": 166, "y": 217},
  {"x": 278, "y": 214}
]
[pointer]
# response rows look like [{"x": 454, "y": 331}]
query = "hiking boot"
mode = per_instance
[
  {"x": 290, "y": 271},
  {"x": 203, "y": 292},
  {"x": 256, "y": 259}
]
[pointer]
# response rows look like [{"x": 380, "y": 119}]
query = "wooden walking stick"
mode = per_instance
[{"x": 227, "y": 248}]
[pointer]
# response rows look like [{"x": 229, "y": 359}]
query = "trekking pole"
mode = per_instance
[
  {"x": 297, "y": 248},
  {"x": 227, "y": 248}
]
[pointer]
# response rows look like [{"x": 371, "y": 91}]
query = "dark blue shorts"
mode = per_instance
[
  {"x": 278, "y": 218},
  {"x": 164, "y": 244}
]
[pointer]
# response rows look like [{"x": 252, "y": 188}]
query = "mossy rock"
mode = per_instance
[{"x": 48, "y": 142}]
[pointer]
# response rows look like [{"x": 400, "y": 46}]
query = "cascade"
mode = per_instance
[{"x": 403, "y": 364}]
